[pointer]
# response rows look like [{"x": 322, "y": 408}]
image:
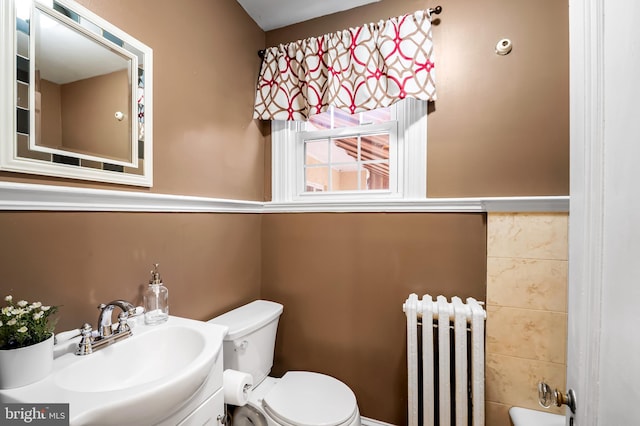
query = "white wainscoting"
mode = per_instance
[{"x": 30, "y": 197}]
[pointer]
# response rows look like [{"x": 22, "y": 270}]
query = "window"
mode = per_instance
[
  {"x": 344, "y": 152},
  {"x": 373, "y": 155}
]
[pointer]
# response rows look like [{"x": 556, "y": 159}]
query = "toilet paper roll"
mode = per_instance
[
  {"x": 504, "y": 46},
  {"x": 236, "y": 386}
]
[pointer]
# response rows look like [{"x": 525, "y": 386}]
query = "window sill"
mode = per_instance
[{"x": 33, "y": 197}]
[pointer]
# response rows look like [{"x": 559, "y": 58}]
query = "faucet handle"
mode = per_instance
[
  {"x": 85, "y": 346},
  {"x": 123, "y": 326}
]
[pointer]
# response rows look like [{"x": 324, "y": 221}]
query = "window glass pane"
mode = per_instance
[
  {"x": 374, "y": 147},
  {"x": 345, "y": 177},
  {"x": 364, "y": 178},
  {"x": 316, "y": 151},
  {"x": 377, "y": 175},
  {"x": 377, "y": 116},
  {"x": 375, "y": 155},
  {"x": 344, "y": 119},
  {"x": 319, "y": 121},
  {"x": 316, "y": 179},
  {"x": 344, "y": 150}
]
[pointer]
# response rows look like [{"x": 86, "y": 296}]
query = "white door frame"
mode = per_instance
[{"x": 586, "y": 34}]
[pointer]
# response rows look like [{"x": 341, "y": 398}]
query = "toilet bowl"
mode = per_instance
[
  {"x": 299, "y": 398},
  {"x": 526, "y": 417},
  {"x": 293, "y": 400}
]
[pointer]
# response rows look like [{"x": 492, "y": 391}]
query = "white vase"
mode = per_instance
[{"x": 23, "y": 366}]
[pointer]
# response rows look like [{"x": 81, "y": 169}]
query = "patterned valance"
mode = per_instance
[{"x": 355, "y": 70}]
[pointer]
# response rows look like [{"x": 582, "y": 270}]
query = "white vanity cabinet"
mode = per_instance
[
  {"x": 206, "y": 407},
  {"x": 210, "y": 412}
]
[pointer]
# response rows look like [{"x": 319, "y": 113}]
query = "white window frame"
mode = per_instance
[
  {"x": 287, "y": 166},
  {"x": 389, "y": 127}
]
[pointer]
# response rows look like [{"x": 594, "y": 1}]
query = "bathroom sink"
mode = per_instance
[
  {"x": 139, "y": 380},
  {"x": 161, "y": 353}
]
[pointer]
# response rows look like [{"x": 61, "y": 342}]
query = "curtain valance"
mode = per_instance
[{"x": 355, "y": 70}]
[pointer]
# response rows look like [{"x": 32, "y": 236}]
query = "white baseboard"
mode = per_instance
[{"x": 364, "y": 421}]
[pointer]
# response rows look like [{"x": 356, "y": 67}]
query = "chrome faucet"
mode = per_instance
[
  {"x": 106, "y": 334},
  {"x": 104, "y": 320}
]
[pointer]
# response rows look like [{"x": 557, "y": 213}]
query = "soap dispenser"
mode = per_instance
[{"x": 156, "y": 300}]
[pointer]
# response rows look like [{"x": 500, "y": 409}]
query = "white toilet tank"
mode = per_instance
[{"x": 251, "y": 339}]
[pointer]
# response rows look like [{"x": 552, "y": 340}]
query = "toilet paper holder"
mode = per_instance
[{"x": 548, "y": 397}]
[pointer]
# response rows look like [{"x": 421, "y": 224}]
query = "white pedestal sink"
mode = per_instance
[{"x": 160, "y": 375}]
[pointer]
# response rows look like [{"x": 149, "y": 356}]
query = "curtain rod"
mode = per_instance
[{"x": 432, "y": 11}]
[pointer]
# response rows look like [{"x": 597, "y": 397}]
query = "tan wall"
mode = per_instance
[
  {"x": 526, "y": 310},
  {"x": 209, "y": 263},
  {"x": 500, "y": 125},
  {"x": 343, "y": 278}
]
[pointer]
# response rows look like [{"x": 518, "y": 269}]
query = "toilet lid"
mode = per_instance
[{"x": 310, "y": 399}]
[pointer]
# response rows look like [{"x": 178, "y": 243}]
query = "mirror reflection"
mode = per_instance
[{"x": 83, "y": 99}]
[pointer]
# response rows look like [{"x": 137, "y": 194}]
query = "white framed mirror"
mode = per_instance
[{"x": 79, "y": 95}]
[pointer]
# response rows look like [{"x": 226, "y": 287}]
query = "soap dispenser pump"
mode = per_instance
[{"x": 156, "y": 300}]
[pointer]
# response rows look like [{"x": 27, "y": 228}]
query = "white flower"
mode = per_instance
[{"x": 24, "y": 323}]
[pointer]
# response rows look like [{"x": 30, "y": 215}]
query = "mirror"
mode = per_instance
[
  {"x": 81, "y": 95},
  {"x": 66, "y": 86}
]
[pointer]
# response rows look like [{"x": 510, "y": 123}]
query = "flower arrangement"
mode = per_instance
[{"x": 25, "y": 324}]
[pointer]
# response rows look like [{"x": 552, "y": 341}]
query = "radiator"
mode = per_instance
[{"x": 448, "y": 358}]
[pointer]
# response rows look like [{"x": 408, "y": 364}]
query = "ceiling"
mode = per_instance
[{"x": 272, "y": 14}]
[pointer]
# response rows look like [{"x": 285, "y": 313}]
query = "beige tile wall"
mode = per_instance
[{"x": 527, "y": 261}]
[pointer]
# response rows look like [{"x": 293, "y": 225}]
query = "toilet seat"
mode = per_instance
[{"x": 303, "y": 398}]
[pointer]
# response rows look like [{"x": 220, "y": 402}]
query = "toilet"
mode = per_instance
[
  {"x": 527, "y": 417},
  {"x": 299, "y": 398}
]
